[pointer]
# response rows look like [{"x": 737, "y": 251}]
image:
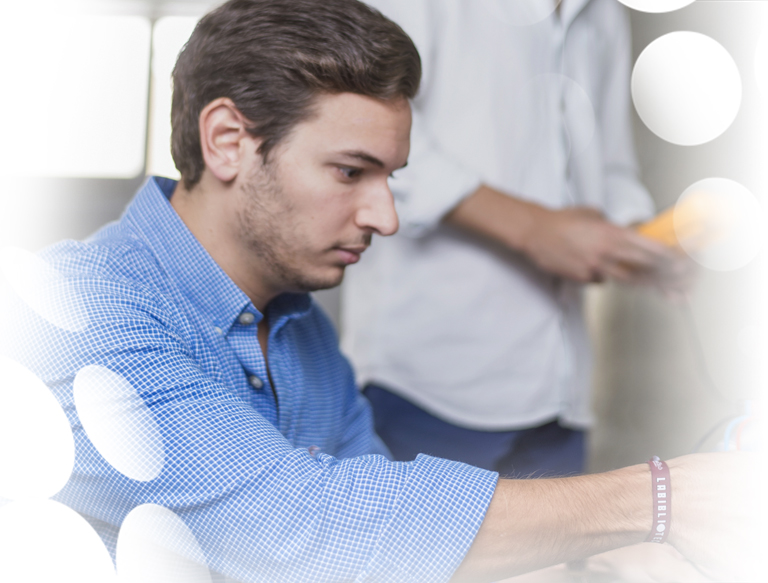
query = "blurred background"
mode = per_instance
[{"x": 85, "y": 102}]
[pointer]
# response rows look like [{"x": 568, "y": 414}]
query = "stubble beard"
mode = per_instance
[{"x": 267, "y": 224}]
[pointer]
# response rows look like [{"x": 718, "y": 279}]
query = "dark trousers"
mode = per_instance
[{"x": 543, "y": 451}]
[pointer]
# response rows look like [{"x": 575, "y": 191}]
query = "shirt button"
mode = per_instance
[
  {"x": 256, "y": 382},
  {"x": 246, "y": 318}
]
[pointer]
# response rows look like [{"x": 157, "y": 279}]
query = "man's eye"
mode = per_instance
[{"x": 350, "y": 173}]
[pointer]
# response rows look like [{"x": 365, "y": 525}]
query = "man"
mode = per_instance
[
  {"x": 288, "y": 117},
  {"x": 467, "y": 326}
]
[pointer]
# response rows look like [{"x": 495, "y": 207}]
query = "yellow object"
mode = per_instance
[
  {"x": 697, "y": 221},
  {"x": 661, "y": 228}
]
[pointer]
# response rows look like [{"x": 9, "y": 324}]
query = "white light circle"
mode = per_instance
[
  {"x": 119, "y": 423},
  {"x": 686, "y": 88},
  {"x": 43, "y": 289},
  {"x": 761, "y": 66},
  {"x": 520, "y": 12},
  {"x": 720, "y": 224},
  {"x": 37, "y": 450},
  {"x": 155, "y": 546},
  {"x": 42, "y": 540},
  {"x": 656, "y": 6},
  {"x": 574, "y": 103}
]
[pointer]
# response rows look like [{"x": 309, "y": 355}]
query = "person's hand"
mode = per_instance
[
  {"x": 672, "y": 275},
  {"x": 580, "y": 244},
  {"x": 577, "y": 243},
  {"x": 717, "y": 514}
]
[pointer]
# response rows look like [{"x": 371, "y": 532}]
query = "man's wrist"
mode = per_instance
[
  {"x": 634, "y": 519},
  {"x": 530, "y": 221}
]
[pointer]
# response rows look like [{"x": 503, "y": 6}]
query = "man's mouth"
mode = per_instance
[{"x": 351, "y": 253}]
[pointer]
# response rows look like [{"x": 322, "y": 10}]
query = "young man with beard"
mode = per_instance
[{"x": 288, "y": 118}]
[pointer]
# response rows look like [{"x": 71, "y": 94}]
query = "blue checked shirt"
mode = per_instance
[{"x": 278, "y": 482}]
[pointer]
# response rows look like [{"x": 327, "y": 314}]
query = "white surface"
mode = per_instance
[
  {"x": 37, "y": 451},
  {"x": 43, "y": 289},
  {"x": 155, "y": 546},
  {"x": 686, "y": 88},
  {"x": 119, "y": 423},
  {"x": 169, "y": 35},
  {"x": 77, "y": 102},
  {"x": 44, "y": 541}
]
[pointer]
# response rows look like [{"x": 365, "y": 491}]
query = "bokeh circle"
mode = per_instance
[
  {"x": 119, "y": 424},
  {"x": 156, "y": 546},
  {"x": 686, "y": 88},
  {"x": 720, "y": 224},
  {"x": 656, "y": 6},
  {"x": 46, "y": 291},
  {"x": 37, "y": 450},
  {"x": 43, "y": 540}
]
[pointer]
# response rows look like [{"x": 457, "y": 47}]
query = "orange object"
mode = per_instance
[
  {"x": 697, "y": 220},
  {"x": 661, "y": 228}
]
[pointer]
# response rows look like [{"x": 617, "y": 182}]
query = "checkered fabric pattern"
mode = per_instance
[{"x": 237, "y": 466}]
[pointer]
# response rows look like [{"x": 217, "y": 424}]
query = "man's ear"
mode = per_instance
[{"x": 223, "y": 136}]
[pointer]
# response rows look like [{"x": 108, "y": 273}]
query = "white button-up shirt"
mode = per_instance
[{"x": 470, "y": 331}]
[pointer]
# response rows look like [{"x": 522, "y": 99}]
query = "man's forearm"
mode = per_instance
[
  {"x": 496, "y": 216},
  {"x": 531, "y": 524}
]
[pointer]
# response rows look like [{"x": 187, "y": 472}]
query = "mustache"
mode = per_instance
[{"x": 365, "y": 240}]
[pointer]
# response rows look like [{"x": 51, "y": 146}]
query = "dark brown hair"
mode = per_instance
[{"x": 272, "y": 58}]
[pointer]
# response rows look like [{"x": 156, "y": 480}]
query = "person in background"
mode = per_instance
[{"x": 466, "y": 328}]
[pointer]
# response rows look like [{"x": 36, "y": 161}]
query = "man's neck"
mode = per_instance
[{"x": 204, "y": 210}]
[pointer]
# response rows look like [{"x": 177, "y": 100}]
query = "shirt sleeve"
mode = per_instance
[
  {"x": 433, "y": 183},
  {"x": 259, "y": 509},
  {"x": 626, "y": 199}
]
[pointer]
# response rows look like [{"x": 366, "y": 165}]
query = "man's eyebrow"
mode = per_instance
[
  {"x": 360, "y": 155},
  {"x": 364, "y": 156}
]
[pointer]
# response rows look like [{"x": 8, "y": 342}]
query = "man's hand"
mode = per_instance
[
  {"x": 580, "y": 244},
  {"x": 576, "y": 243},
  {"x": 718, "y": 514}
]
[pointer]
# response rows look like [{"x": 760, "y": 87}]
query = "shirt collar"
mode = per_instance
[{"x": 191, "y": 267}]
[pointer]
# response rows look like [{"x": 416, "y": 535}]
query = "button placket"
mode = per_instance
[{"x": 247, "y": 319}]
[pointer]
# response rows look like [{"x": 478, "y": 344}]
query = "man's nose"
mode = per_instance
[{"x": 377, "y": 214}]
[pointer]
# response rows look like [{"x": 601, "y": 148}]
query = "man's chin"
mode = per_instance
[{"x": 317, "y": 283}]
